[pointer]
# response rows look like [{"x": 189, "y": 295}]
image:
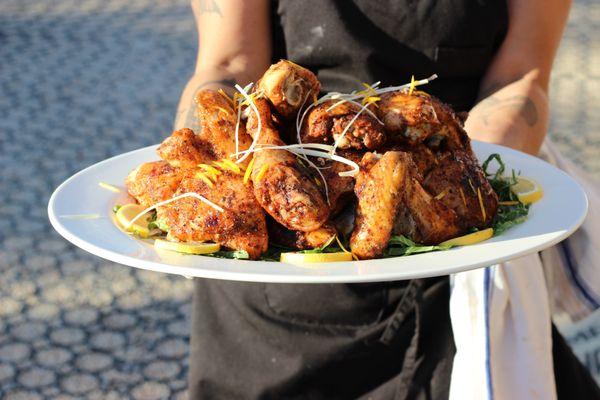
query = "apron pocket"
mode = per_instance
[{"x": 328, "y": 305}]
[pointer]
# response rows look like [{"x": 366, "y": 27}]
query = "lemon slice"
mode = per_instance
[
  {"x": 527, "y": 190},
  {"x": 300, "y": 258},
  {"x": 187, "y": 247},
  {"x": 471, "y": 238},
  {"x": 127, "y": 213}
]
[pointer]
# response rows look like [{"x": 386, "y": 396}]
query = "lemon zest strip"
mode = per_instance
[
  {"x": 205, "y": 179},
  {"x": 483, "y": 214},
  {"x": 107, "y": 186},
  {"x": 248, "y": 171},
  {"x": 165, "y": 202},
  {"x": 262, "y": 172}
]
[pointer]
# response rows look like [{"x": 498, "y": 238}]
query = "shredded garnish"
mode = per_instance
[
  {"x": 508, "y": 203},
  {"x": 472, "y": 187},
  {"x": 261, "y": 173},
  {"x": 228, "y": 165},
  {"x": 229, "y": 99},
  {"x": 483, "y": 214},
  {"x": 232, "y": 166},
  {"x": 80, "y": 216},
  {"x": 339, "y": 242},
  {"x": 250, "y": 102},
  {"x": 311, "y": 149},
  {"x": 441, "y": 194},
  {"x": 248, "y": 171},
  {"x": 462, "y": 194},
  {"x": 162, "y": 203},
  {"x": 412, "y": 85},
  {"x": 210, "y": 170},
  {"x": 205, "y": 179},
  {"x": 109, "y": 187},
  {"x": 339, "y": 139}
]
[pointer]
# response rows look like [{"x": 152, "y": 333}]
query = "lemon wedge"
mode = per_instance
[
  {"x": 127, "y": 213},
  {"x": 527, "y": 190},
  {"x": 471, "y": 238},
  {"x": 187, "y": 247},
  {"x": 301, "y": 258}
]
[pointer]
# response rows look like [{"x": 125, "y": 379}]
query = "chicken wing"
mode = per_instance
[
  {"x": 420, "y": 118},
  {"x": 281, "y": 185},
  {"x": 340, "y": 188},
  {"x": 300, "y": 240},
  {"x": 326, "y": 122},
  {"x": 153, "y": 182},
  {"x": 288, "y": 86},
  {"x": 460, "y": 184},
  {"x": 241, "y": 225},
  {"x": 392, "y": 200},
  {"x": 379, "y": 186}
]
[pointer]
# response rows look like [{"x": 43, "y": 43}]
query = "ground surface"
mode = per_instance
[{"x": 84, "y": 80}]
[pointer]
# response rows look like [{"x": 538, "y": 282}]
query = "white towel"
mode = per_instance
[
  {"x": 501, "y": 323},
  {"x": 501, "y": 315}
]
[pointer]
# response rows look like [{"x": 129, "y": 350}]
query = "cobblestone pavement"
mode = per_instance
[{"x": 84, "y": 80}]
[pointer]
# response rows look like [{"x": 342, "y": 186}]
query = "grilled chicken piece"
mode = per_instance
[
  {"x": 185, "y": 149},
  {"x": 218, "y": 121},
  {"x": 288, "y": 86},
  {"x": 433, "y": 134},
  {"x": 281, "y": 186},
  {"x": 153, "y": 182},
  {"x": 241, "y": 226},
  {"x": 391, "y": 199},
  {"x": 340, "y": 188},
  {"x": 420, "y": 118},
  {"x": 423, "y": 218},
  {"x": 325, "y": 125},
  {"x": 379, "y": 188},
  {"x": 460, "y": 184},
  {"x": 282, "y": 236}
]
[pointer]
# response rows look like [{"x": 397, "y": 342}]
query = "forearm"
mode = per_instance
[
  {"x": 234, "y": 47},
  {"x": 515, "y": 115},
  {"x": 204, "y": 79}
]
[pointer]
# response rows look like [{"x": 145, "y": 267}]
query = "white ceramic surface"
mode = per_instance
[{"x": 551, "y": 220}]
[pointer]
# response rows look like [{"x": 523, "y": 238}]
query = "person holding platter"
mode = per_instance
[{"x": 389, "y": 340}]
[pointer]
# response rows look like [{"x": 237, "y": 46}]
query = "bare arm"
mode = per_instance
[
  {"x": 513, "y": 106},
  {"x": 234, "y": 46}
]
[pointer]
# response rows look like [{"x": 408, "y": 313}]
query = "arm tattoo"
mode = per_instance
[
  {"x": 209, "y": 7},
  {"x": 523, "y": 104},
  {"x": 187, "y": 117}
]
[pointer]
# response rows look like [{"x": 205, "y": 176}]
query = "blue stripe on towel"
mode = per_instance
[
  {"x": 486, "y": 309},
  {"x": 576, "y": 279}
]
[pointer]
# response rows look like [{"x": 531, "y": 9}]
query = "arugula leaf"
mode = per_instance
[
  {"x": 235, "y": 254},
  {"x": 400, "y": 245}
]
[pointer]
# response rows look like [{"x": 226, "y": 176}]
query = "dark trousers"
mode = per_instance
[{"x": 359, "y": 341}]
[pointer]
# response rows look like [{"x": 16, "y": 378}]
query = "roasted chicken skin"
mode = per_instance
[
  {"x": 185, "y": 149},
  {"x": 379, "y": 189},
  {"x": 153, "y": 182},
  {"x": 460, "y": 184},
  {"x": 281, "y": 185},
  {"x": 218, "y": 121},
  {"x": 241, "y": 225},
  {"x": 282, "y": 236},
  {"x": 340, "y": 188},
  {"x": 288, "y": 86},
  {"x": 326, "y": 122},
  {"x": 420, "y": 118},
  {"x": 392, "y": 200}
]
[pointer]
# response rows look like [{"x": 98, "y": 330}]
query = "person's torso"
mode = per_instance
[{"x": 349, "y": 42}]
